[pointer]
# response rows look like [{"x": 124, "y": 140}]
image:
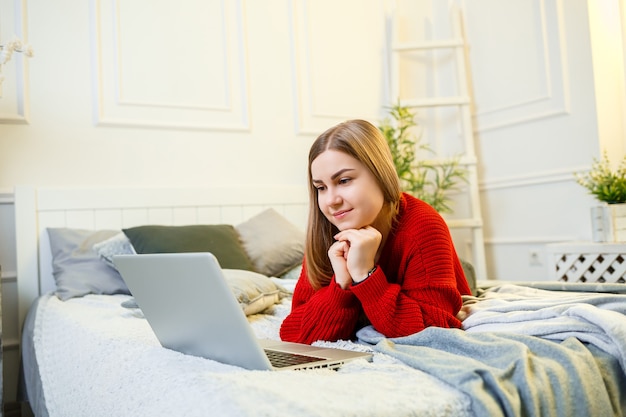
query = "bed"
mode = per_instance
[{"x": 549, "y": 349}]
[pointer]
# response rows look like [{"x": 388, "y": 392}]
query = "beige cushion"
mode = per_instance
[
  {"x": 274, "y": 244},
  {"x": 255, "y": 292}
]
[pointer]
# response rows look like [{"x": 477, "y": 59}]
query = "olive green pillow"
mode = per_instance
[{"x": 220, "y": 239}]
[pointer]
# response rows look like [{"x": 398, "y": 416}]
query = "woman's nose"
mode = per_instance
[{"x": 333, "y": 197}]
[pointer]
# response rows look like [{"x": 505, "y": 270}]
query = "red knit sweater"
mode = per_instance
[{"x": 418, "y": 283}]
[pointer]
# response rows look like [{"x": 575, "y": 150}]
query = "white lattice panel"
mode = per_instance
[{"x": 600, "y": 262}]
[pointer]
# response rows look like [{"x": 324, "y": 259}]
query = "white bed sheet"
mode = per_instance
[{"x": 98, "y": 358}]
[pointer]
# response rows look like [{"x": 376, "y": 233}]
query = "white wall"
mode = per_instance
[
  {"x": 541, "y": 80},
  {"x": 548, "y": 85},
  {"x": 232, "y": 92},
  {"x": 170, "y": 93}
]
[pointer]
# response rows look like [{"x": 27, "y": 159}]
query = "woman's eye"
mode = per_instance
[
  {"x": 344, "y": 180},
  {"x": 320, "y": 188}
]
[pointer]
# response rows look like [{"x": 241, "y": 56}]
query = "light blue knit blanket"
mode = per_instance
[{"x": 527, "y": 352}]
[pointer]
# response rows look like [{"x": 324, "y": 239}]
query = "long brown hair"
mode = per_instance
[{"x": 365, "y": 143}]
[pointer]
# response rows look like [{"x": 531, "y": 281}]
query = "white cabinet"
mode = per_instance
[{"x": 588, "y": 262}]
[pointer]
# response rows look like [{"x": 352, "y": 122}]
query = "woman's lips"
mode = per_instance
[{"x": 341, "y": 213}]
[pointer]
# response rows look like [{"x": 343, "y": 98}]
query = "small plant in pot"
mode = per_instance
[
  {"x": 608, "y": 186},
  {"x": 603, "y": 183},
  {"x": 430, "y": 181}
]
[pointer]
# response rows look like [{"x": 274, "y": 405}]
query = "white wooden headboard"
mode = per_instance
[{"x": 36, "y": 209}]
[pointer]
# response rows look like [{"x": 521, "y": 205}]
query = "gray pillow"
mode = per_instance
[
  {"x": 77, "y": 268},
  {"x": 470, "y": 274},
  {"x": 274, "y": 244},
  {"x": 118, "y": 244}
]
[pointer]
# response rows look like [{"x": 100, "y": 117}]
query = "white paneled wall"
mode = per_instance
[
  {"x": 146, "y": 74},
  {"x": 536, "y": 120},
  {"x": 193, "y": 92},
  {"x": 526, "y": 64},
  {"x": 535, "y": 89},
  {"x": 328, "y": 46}
]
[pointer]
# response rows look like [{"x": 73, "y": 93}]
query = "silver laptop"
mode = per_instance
[{"x": 186, "y": 300}]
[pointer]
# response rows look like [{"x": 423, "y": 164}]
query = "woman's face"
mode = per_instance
[{"x": 348, "y": 194}]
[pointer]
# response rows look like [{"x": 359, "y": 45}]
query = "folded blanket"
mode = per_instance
[
  {"x": 508, "y": 374},
  {"x": 573, "y": 368},
  {"x": 597, "y": 319}
]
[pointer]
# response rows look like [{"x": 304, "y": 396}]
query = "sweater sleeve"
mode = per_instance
[
  {"x": 425, "y": 292},
  {"x": 395, "y": 311},
  {"x": 329, "y": 313}
]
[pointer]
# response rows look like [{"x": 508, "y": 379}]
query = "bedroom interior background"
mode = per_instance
[{"x": 198, "y": 93}]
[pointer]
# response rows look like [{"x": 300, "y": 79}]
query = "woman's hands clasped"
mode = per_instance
[{"x": 354, "y": 254}]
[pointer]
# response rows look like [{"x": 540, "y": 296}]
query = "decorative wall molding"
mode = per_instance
[
  {"x": 529, "y": 240},
  {"x": 319, "y": 59},
  {"x": 141, "y": 80},
  {"x": 532, "y": 179},
  {"x": 549, "y": 96},
  {"x": 14, "y": 92}
]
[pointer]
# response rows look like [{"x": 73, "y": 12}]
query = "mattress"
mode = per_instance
[{"x": 110, "y": 353}]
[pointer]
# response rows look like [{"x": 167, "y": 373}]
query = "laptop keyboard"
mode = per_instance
[{"x": 282, "y": 359}]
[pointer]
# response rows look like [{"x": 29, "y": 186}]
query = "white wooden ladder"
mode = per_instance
[{"x": 463, "y": 101}]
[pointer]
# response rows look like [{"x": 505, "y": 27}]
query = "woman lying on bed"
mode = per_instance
[{"x": 373, "y": 255}]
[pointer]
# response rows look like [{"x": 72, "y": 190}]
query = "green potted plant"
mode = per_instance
[
  {"x": 605, "y": 184},
  {"x": 608, "y": 186},
  {"x": 430, "y": 181}
]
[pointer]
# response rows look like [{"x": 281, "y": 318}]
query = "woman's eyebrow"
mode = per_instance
[
  {"x": 334, "y": 176},
  {"x": 340, "y": 172}
]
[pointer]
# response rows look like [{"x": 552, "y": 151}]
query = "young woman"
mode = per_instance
[{"x": 373, "y": 254}]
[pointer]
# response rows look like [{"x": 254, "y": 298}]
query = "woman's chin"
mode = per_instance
[{"x": 348, "y": 226}]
